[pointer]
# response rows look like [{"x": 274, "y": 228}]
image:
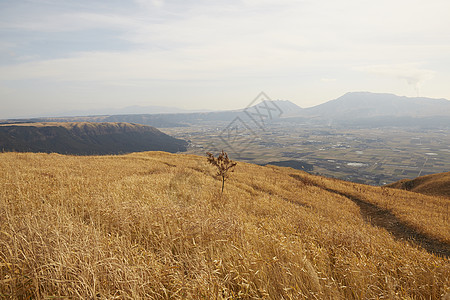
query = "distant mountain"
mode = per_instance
[
  {"x": 354, "y": 109},
  {"x": 365, "y": 104},
  {"x": 268, "y": 110},
  {"x": 86, "y": 138},
  {"x": 277, "y": 108},
  {"x": 155, "y": 120},
  {"x": 434, "y": 184},
  {"x": 134, "y": 109},
  {"x": 152, "y": 109}
]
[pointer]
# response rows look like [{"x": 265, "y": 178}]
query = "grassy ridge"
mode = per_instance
[
  {"x": 154, "y": 225},
  {"x": 434, "y": 184}
]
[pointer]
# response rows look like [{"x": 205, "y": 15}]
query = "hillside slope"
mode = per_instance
[
  {"x": 154, "y": 225},
  {"x": 86, "y": 138},
  {"x": 434, "y": 184}
]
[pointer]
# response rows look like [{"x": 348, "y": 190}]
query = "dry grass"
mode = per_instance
[
  {"x": 434, "y": 184},
  {"x": 427, "y": 214},
  {"x": 155, "y": 225}
]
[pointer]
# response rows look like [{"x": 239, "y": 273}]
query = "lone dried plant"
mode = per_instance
[{"x": 223, "y": 164}]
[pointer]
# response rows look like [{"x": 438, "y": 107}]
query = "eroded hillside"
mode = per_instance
[
  {"x": 155, "y": 225},
  {"x": 85, "y": 138}
]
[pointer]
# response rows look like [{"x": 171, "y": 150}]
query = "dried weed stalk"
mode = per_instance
[{"x": 223, "y": 164}]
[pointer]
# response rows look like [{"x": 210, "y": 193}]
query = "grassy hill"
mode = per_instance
[
  {"x": 154, "y": 225},
  {"x": 434, "y": 184},
  {"x": 86, "y": 138}
]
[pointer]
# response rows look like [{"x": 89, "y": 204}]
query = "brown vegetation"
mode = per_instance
[
  {"x": 434, "y": 184},
  {"x": 223, "y": 165},
  {"x": 148, "y": 226}
]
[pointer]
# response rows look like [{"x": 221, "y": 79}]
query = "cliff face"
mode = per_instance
[{"x": 86, "y": 138}]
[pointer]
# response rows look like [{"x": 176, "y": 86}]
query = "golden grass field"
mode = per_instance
[
  {"x": 154, "y": 225},
  {"x": 434, "y": 184}
]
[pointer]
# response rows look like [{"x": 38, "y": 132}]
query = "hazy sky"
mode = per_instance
[{"x": 60, "y": 55}]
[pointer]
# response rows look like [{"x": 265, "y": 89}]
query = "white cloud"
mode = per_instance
[
  {"x": 69, "y": 22},
  {"x": 150, "y": 3},
  {"x": 197, "y": 63},
  {"x": 328, "y": 79},
  {"x": 412, "y": 73},
  {"x": 315, "y": 42}
]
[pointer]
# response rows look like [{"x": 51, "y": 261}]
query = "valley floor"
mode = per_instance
[{"x": 374, "y": 156}]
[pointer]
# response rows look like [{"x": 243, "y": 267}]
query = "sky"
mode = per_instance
[{"x": 64, "y": 55}]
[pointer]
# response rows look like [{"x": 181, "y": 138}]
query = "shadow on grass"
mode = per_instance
[{"x": 384, "y": 218}]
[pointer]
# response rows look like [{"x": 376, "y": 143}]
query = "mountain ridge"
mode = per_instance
[
  {"x": 86, "y": 138},
  {"x": 367, "y": 104},
  {"x": 351, "y": 109}
]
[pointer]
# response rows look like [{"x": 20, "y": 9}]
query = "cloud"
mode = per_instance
[
  {"x": 211, "y": 62},
  {"x": 150, "y": 3},
  {"x": 412, "y": 73},
  {"x": 69, "y": 22},
  {"x": 290, "y": 46},
  {"x": 328, "y": 79}
]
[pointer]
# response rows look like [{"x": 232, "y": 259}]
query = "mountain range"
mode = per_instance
[
  {"x": 365, "y": 104},
  {"x": 364, "y": 109},
  {"x": 351, "y": 109},
  {"x": 133, "y": 109}
]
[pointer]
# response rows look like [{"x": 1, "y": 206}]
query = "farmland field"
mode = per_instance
[{"x": 372, "y": 156}]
